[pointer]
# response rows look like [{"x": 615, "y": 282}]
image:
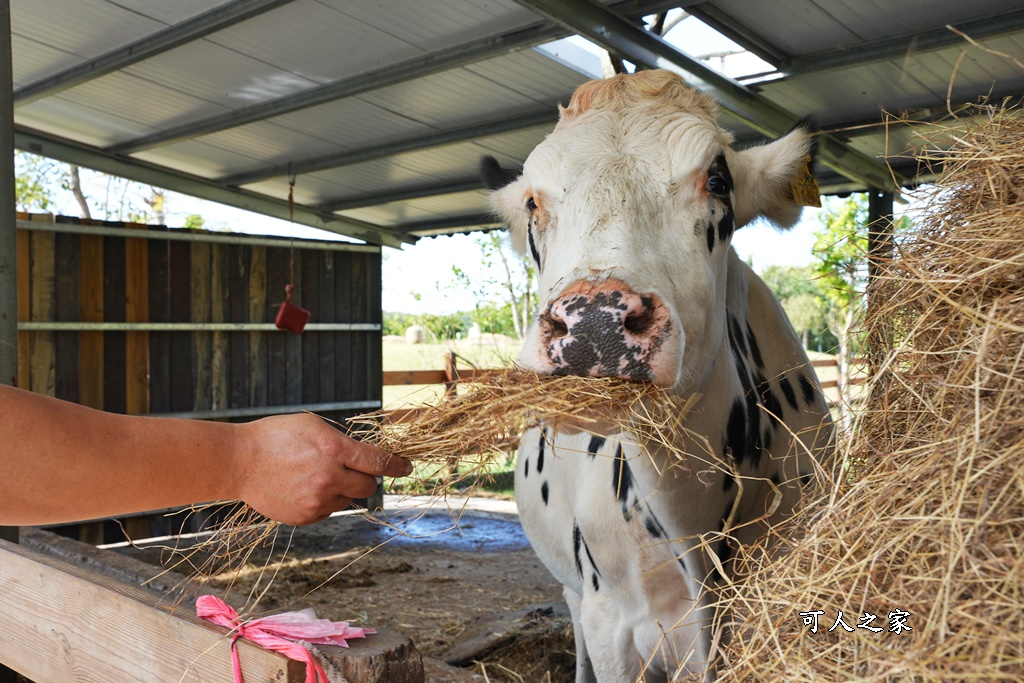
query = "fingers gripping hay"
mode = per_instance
[{"x": 933, "y": 523}]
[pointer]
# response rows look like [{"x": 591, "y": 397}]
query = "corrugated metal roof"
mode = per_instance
[{"x": 386, "y": 106}]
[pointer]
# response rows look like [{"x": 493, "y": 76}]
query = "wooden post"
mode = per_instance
[
  {"x": 880, "y": 228},
  {"x": 9, "y": 244},
  {"x": 451, "y": 379},
  {"x": 451, "y": 376}
]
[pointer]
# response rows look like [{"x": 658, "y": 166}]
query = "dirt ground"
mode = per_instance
[{"x": 426, "y": 575}]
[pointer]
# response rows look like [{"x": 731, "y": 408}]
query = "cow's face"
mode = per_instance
[{"x": 628, "y": 209}]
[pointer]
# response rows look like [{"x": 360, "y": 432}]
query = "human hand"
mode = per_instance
[{"x": 297, "y": 469}]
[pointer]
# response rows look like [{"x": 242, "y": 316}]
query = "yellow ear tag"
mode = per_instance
[{"x": 804, "y": 187}]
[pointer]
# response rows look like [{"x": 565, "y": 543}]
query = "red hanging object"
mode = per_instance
[{"x": 291, "y": 317}]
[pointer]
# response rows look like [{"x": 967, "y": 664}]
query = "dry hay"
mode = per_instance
[
  {"x": 474, "y": 428},
  {"x": 932, "y": 522},
  {"x": 453, "y": 442}
]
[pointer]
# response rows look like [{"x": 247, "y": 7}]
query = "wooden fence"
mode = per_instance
[
  {"x": 181, "y": 322},
  {"x": 145, "y": 320}
]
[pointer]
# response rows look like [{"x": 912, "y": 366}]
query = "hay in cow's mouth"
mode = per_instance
[
  {"x": 486, "y": 420},
  {"x": 455, "y": 441}
]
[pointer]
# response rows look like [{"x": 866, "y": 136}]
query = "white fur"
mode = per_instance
[{"x": 620, "y": 193}]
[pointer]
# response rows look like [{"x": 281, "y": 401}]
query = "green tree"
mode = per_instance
[
  {"x": 841, "y": 251},
  {"x": 504, "y": 295},
  {"x": 807, "y": 315},
  {"x": 801, "y": 293},
  {"x": 35, "y": 180}
]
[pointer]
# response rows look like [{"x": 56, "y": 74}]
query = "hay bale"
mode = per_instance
[{"x": 932, "y": 523}]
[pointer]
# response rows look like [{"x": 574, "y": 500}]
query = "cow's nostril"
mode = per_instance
[
  {"x": 556, "y": 326},
  {"x": 638, "y": 323}
]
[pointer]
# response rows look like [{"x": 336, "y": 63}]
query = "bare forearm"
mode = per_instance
[{"x": 60, "y": 461}]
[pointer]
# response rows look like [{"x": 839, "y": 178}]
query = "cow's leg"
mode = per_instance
[
  {"x": 584, "y": 668},
  {"x": 611, "y": 650}
]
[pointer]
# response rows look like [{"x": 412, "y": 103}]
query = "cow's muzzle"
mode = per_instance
[{"x": 605, "y": 329}]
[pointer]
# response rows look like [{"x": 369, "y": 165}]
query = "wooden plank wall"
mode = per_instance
[{"x": 69, "y": 277}]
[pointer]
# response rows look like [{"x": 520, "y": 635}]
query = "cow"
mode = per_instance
[{"x": 627, "y": 210}]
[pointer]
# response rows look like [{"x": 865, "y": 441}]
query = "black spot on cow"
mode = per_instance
[
  {"x": 622, "y": 478},
  {"x": 775, "y": 478},
  {"x": 767, "y": 397},
  {"x": 805, "y": 479},
  {"x": 577, "y": 543},
  {"x": 736, "y": 432},
  {"x": 544, "y": 491},
  {"x": 736, "y": 338},
  {"x": 682, "y": 564},
  {"x": 755, "y": 350},
  {"x": 596, "y": 442},
  {"x": 596, "y": 582},
  {"x": 711, "y": 237},
  {"x": 526, "y": 467},
  {"x": 540, "y": 452},
  {"x": 590, "y": 558},
  {"x": 753, "y": 423},
  {"x": 728, "y": 481},
  {"x": 534, "y": 252},
  {"x": 766, "y": 438},
  {"x": 724, "y": 552},
  {"x": 726, "y": 224},
  {"x": 654, "y": 527},
  {"x": 807, "y": 388},
  {"x": 787, "y": 391}
]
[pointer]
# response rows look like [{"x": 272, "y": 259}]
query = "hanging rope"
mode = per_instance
[{"x": 289, "y": 316}]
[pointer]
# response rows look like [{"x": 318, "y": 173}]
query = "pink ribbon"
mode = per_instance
[{"x": 278, "y": 633}]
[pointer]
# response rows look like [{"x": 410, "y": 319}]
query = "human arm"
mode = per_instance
[{"x": 61, "y": 462}]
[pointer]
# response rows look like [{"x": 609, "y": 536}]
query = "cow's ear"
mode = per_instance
[
  {"x": 494, "y": 175},
  {"x": 507, "y": 202},
  {"x": 767, "y": 176}
]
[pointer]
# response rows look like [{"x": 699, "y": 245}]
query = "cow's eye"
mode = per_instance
[
  {"x": 717, "y": 185},
  {"x": 531, "y": 205}
]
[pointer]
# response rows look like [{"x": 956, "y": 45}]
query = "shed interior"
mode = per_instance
[{"x": 381, "y": 109}]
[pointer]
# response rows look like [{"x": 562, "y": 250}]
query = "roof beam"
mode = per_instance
[
  {"x": 445, "y": 226},
  {"x": 546, "y": 117},
  {"x": 196, "y": 186},
  {"x": 897, "y": 47},
  {"x": 416, "y": 67},
  {"x": 738, "y": 32},
  {"x": 216, "y": 19},
  {"x": 402, "y": 195},
  {"x": 613, "y": 32}
]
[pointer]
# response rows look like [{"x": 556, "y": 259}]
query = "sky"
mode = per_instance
[{"x": 419, "y": 278}]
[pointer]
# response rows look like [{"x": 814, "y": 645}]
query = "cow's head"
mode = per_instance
[{"x": 628, "y": 209}]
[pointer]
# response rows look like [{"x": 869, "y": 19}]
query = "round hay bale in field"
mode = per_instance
[
  {"x": 924, "y": 528},
  {"x": 416, "y": 334}
]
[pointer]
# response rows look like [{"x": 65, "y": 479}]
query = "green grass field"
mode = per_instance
[{"x": 485, "y": 353}]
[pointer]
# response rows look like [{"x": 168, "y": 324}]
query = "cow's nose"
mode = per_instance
[{"x": 604, "y": 329}]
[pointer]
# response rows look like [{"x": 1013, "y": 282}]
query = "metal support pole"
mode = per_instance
[
  {"x": 8, "y": 227},
  {"x": 880, "y": 228}
]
